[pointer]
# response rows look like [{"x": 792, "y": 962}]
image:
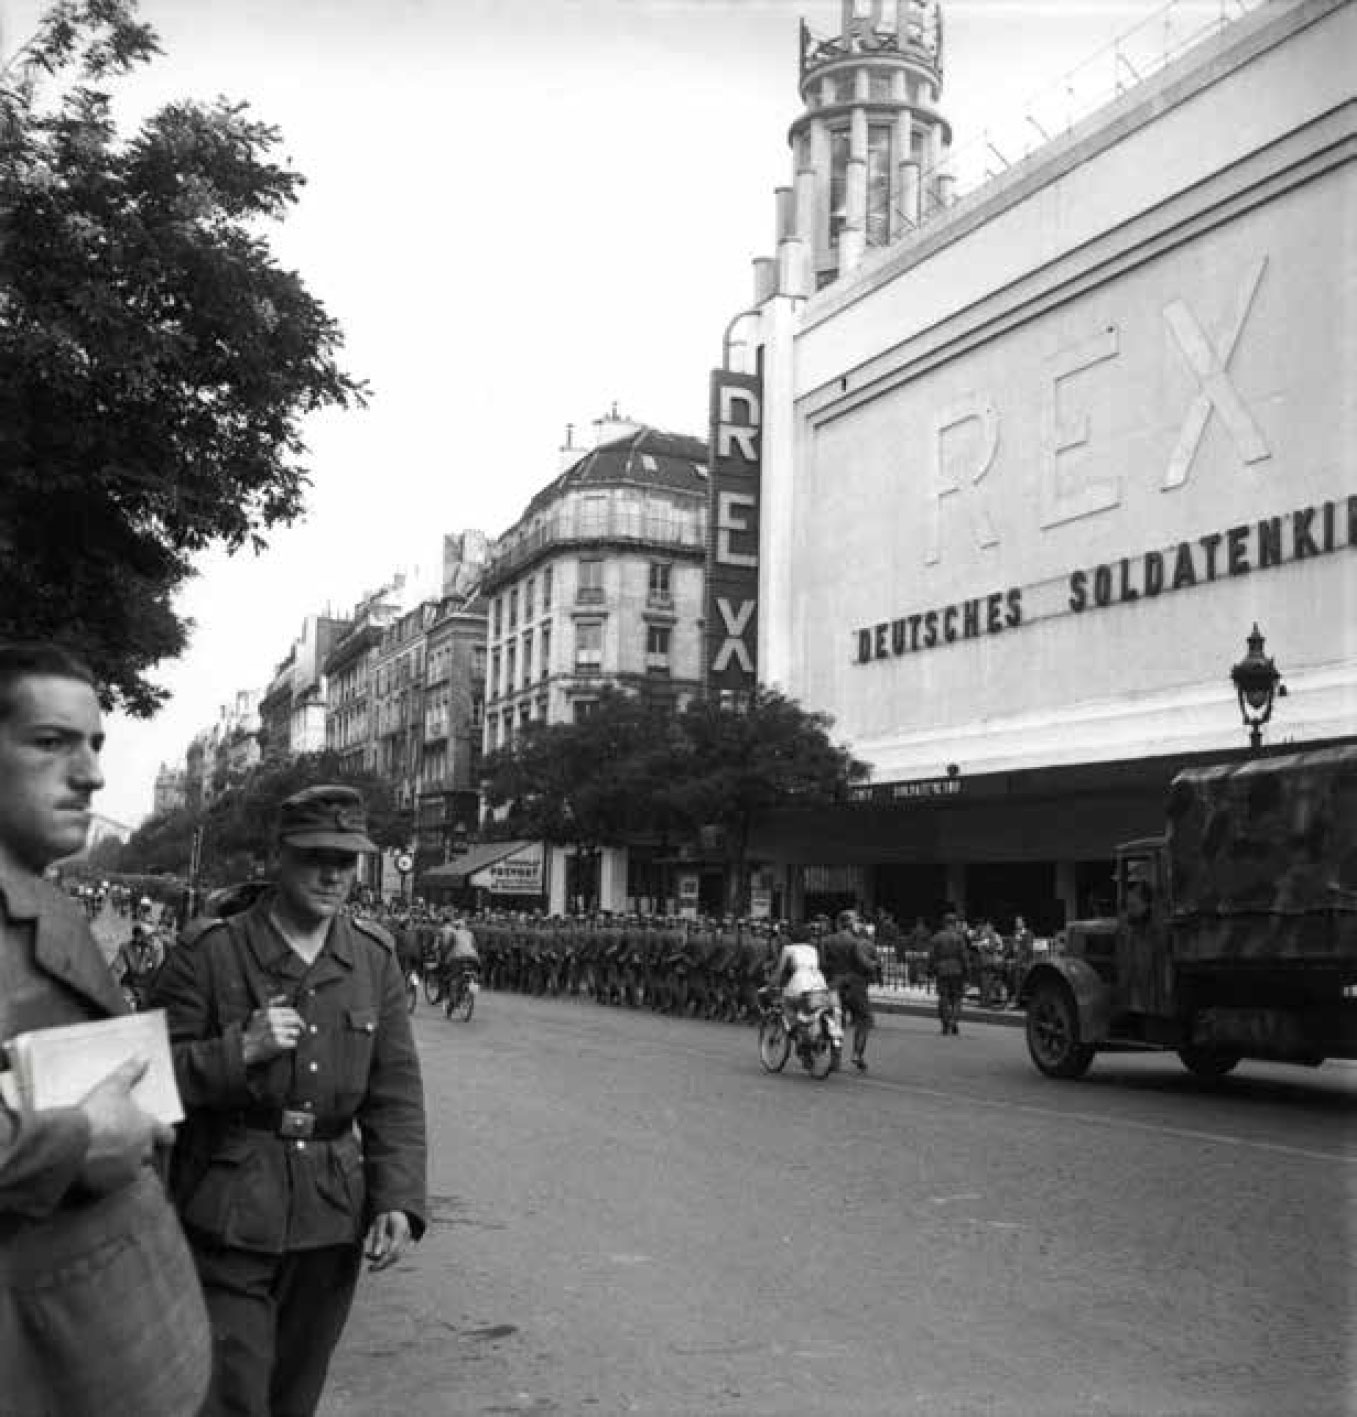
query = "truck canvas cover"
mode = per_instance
[{"x": 1263, "y": 860}]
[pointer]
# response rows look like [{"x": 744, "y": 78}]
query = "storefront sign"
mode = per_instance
[
  {"x": 1298, "y": 535},
  {"x": 515, "y": 875},
  {"x": 921, "y": 789},
  {"x": 732, "y": 636}
]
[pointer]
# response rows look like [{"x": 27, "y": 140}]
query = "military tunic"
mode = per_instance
[{"x": 235, "y": 1177}]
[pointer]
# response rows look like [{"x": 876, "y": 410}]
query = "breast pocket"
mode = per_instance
[{"x": 356, "y": 1036}]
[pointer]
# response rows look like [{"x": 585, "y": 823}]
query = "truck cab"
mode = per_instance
[{"x": 1235, "y": 933}]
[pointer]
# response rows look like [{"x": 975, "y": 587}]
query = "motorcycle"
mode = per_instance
[{"x": 815, "y": 1033}]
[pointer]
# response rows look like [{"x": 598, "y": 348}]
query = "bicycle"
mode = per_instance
[
  {"x": 461, "y": 998},
  {"x": 810, "y": 1035},
  {"x": 433, "y": 979}
]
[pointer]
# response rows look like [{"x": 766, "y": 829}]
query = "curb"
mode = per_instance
[{"x": 973, "y": 1013}]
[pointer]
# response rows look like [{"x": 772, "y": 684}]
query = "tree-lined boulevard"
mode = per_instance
[{"x": 629, "y": 1215}]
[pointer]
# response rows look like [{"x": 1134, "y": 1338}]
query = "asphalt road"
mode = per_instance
[{"x": 629, "y": 1216}]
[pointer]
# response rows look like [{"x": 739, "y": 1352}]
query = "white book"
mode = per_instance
[{"x": 57, "y": 1067}]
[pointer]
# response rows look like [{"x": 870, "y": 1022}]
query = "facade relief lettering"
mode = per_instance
[
  {"x": 964, "y": 444},
  {"x": 964, "y": 438},
  {"x": 1215, "y": 389},
  {"x": 1073, "y": 485}
]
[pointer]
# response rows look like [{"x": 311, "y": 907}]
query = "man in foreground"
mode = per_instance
[
  {"x": 99, "y": 1305},
  {"x": 305, "y": 1128}
]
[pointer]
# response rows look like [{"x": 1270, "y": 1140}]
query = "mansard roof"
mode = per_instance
[{"x": 647, "y": 458}]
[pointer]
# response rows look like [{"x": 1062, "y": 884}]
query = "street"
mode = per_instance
[{"x": 629, "y": 1215}]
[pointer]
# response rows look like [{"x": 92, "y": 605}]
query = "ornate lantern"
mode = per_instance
[{"x": 1257, "y": 681}]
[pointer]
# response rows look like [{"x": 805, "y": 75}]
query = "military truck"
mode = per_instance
[{"x": 1235, "y": 934}]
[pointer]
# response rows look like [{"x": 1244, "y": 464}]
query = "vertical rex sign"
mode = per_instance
[{"x": 733, "y": 533}]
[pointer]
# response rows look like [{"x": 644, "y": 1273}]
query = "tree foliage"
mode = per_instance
[
  {"x": 589, "y": 783},
  {"x": 743, "y": 763},
  {"x": 238, "y": 826},
  {"x": 156, "y": 363},
  {"x": 637, "y": 769}
]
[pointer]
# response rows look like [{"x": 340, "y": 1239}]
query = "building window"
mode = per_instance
[
  {"x": 546, "y": 651},
  {"x": 546, "y": 588},
  {"x": 513, "y": 608},
  {"x": 839, "y": 144},
  {"x": 510, "y": 669},
  {"x": 541, "y": 708},
  {"x": 588, "y": 646},
  {"x": 590, "y": 589},
  {"x": 499, "y": 615},
  {"x": 585, "y": 708},
  {"x": 494, "y": 675},
  {"x": 879, "y": 84},
  {"x": 478, "y": 662},
  {"x": 657, "y": 646},
  {"x": 527, "y": 658},
  {"x": 878, "y": 184},
  {"x": 528, "y": 592},
  {"x": 593, "y": 515},
  {"x": 659, "y": 591},
  {"x": 524, "y": 716}
]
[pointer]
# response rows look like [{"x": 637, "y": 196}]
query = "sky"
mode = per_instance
[{"x": 521, "y": 214}]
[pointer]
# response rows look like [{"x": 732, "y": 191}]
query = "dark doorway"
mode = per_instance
[
  {"x": 999, "y": 890},
  {"x": 909, "y": 889}
]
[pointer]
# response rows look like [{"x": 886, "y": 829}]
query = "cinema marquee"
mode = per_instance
[{"x": 732, "y": 634}]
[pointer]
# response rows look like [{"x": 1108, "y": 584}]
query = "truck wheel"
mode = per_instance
[
  {"x": 1208, "y": 1062},
  {"x": 1053, "y": 1032}
]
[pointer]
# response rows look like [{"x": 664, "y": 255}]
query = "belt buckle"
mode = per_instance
[{"x": 295, "y": 1123}]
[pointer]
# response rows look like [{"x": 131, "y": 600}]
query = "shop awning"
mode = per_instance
[{"x": 457, "y": 871}]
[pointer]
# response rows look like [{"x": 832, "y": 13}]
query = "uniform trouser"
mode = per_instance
[
  {"x": 950, "y": 989},
  {"x": 275, "y": 1322}
]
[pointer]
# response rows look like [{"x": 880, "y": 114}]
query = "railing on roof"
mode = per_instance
[
  {"x": 1129, "y": 60},
  {"x": 573, "y": 524}
]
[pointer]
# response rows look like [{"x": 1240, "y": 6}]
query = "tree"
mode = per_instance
[
  {"x": 155, "y": 362},
  {"x": 238, "y": 826},
  {"x": 633, "y": 768},
  {"x": 743, "y": 762},
  {"x": 589, "y": 784}
]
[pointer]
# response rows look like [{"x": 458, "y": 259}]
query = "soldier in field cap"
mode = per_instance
[{"x": 304, "y": 1145}]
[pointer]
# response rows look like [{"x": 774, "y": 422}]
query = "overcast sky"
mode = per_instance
[{"x": 520, "y": 213}]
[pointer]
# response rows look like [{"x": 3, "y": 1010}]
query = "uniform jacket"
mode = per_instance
[
  {"x": 948, "y": 953},
  {"x": 41, "y": 1153},
  {"x": 234, "y": 1178},
  {"x": 107, "y": 1281}
]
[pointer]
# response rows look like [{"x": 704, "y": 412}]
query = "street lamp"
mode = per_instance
[{"x": 1258, "y": 682}]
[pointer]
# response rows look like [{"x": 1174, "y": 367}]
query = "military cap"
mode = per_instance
[{"x": 327, "y": 817}]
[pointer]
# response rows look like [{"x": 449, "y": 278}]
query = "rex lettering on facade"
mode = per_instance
[{"x": 733, "y": 535}]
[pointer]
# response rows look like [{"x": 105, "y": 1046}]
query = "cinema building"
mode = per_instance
[{"x": 1033, "y": 460}]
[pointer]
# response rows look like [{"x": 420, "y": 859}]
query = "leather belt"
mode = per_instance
[{"x": 294, "y": 1122}]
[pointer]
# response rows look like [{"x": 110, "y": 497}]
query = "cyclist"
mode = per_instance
[
  {"x": 457, "y": 954},
  {"x": 136, "y": 964},
  {"x": 805, "y": 988}
]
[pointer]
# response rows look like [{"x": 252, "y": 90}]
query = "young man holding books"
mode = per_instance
[{"x": 99, "y": 1308}]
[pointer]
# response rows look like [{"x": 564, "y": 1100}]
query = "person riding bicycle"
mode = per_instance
[
  {"x": 805, "y": 988},
  {"x": 457, "y": 953},
  {"x": 136, "y": 963}
]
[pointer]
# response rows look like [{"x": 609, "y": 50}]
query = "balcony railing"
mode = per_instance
[{"x": 571, "y": 524}]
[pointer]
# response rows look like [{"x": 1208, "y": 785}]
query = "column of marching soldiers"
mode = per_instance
[{"x": 704, "y": 968}]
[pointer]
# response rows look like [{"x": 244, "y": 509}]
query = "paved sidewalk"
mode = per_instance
[{"x": 894, "y": 999}]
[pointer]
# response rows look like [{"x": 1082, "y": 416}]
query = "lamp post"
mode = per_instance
[{"x": 1258, "y": 682}]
